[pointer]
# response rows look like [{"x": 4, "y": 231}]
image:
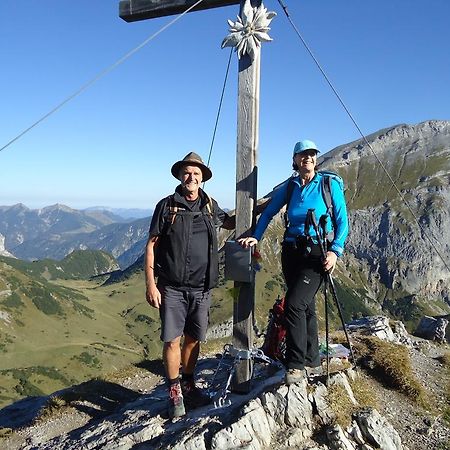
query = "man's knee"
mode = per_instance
[{"x": 173, "y": 344}]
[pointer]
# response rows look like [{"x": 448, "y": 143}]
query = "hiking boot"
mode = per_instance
[
  {"x": 294, "y": 376},
  {"x": 193, "y": 396},
  {"x": 176, "y": 404}
]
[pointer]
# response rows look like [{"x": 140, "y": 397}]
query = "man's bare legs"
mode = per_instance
[{"x": 187, "y": 356}]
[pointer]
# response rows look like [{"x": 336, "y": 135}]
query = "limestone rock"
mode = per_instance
[
  {"x": 401, "y": 334},
  {"x": 373, "y": 326},
  {"x": 271, "y": 416},
  {"x": 3, "y": 251},
  {"x": 299, "y": 409},
  {"x": 338, "y": 439},
  {"x": 432, "y": 328},
  {"x": 377, "y": 431},
  {"x": 252, "y": 431},
  {"x": 318, "y": 397}
]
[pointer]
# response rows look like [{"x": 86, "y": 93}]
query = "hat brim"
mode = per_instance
[{"x": 206, "y": 171}]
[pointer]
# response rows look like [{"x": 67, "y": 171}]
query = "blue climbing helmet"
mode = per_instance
[{"x": 304, "y": 145}]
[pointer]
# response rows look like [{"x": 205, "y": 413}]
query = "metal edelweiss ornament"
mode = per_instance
[{"x": 247, "y": 33}]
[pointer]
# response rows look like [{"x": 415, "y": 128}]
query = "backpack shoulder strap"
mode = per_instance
[
  {"x": 209, "y": 204},
  {"x": 327, "y": 176},
  {"x": 170, "y": 219},
  {"x": 326, "y": 194},
  {"x": 289, "y": 191}
]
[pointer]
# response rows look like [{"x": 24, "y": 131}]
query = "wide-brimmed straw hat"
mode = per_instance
[{"x": 191, "y": 159}]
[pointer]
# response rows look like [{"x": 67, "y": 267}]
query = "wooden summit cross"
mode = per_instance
[{"x": 246, "y": 35}]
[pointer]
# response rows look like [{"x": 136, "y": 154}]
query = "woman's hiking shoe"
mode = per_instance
[
  {"x": 193, "y": 396},
  {"x": 176, "y": 403},
  {"x": 294, "y": 376}
]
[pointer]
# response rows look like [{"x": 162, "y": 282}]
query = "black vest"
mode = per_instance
[{"x": 172, "y": 248}]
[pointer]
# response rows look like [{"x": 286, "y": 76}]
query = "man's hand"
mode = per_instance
[
  {"x": 153, "y": 296},
  {"x": 329, "y": 262},
  {"x": 248, "y": 242}
]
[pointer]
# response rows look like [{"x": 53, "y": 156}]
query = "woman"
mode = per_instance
[{"x": 302, "y": 262}]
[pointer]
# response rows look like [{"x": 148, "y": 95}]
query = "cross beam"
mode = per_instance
[{"x": 133, "y": 10}]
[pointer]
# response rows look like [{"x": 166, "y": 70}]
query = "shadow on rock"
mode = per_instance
[
  {"x": 154, "y": 366},
  {"x": 94, "y": 398}
]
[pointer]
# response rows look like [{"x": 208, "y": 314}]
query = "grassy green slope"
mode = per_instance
[{"x": 55, "y": 334}]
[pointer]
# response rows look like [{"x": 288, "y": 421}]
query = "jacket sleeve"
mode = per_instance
[
  {"x": 340, "y": 218},
  {"x": 276, "y": 203}
]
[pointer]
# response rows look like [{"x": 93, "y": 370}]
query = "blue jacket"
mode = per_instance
[{"x": 304, "y": 198}]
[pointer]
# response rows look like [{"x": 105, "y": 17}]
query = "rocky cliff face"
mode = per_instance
[
  {"x": 384, "y": 234},
  {"x": 3, "y": 251}
]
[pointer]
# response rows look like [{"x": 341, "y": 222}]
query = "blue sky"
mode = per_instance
[{"x": 115, "y": 143}]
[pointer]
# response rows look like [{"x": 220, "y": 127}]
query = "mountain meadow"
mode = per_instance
[{"x": 72, "y": 294}]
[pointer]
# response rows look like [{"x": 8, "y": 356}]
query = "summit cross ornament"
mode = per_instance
[
  {"x": 246, "y": 35},
  {"x": 250, "y": 30}
]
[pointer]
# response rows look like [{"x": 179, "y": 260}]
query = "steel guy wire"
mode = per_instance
[
  {"x": 101, "y": 75},
  {"x": 219, "y": 110}
]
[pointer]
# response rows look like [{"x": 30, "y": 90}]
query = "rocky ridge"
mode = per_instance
[{"x": 132, "y": 414}]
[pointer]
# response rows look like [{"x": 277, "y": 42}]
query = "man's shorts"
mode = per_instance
[{"x": 184, "y": 311}]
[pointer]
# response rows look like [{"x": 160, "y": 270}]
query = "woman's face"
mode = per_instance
[{"x": 306, "y": 161}]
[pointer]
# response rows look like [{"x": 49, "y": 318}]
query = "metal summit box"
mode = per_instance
[{"x": 238, "y": 262}]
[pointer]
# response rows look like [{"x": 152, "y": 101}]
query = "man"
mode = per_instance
[{"x": 182, "y": 252}]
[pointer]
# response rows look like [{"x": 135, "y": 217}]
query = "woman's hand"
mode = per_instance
[
  {"x": 329, "y": 262},
  {"x": 247, "y": 242}
]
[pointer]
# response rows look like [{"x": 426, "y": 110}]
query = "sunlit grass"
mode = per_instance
[{"x": 391, "y": 363}]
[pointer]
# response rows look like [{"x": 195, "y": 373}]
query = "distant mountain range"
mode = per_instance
[
  {"x": 126, "y": 213},
  {"x": 56, "y": 231}
]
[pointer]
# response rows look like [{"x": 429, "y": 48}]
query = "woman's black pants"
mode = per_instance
[{"x": 303, "y": 272}]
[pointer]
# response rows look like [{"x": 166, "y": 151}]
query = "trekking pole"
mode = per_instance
[
  {"x": 327, "y": 330},
  {"x": 322, "y": 239},
  {"x": 334, "y": 295},
  {"x": 329, "y": 278}
]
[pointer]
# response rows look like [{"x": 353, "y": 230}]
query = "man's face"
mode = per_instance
[{"x": 191, "y": 178}]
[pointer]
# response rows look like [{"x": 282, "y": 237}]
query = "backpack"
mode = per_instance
[
  {"x": 326, "y": 194},
  {"x": 274, "y": 345}
]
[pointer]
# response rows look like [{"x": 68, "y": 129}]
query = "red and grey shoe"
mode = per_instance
[{"x": 176, "y": 403}]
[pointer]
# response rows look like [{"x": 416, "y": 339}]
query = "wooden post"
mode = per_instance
[{"x": 246, "y": 185}]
